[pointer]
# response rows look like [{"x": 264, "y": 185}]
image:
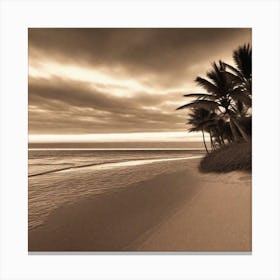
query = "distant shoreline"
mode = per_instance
[
  {"x": 116, "y": 149},
  {"x": 119, "y": 145}
]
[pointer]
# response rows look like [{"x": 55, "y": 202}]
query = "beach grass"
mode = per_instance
[{"x": 231, "y": 157}]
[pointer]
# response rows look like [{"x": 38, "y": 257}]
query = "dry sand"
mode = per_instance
[{"x": 181, "y": 211}]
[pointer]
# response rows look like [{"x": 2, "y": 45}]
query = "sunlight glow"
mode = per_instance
[
  {"x": 117, "y": 137},
  {"x": 48, "y": 69}
]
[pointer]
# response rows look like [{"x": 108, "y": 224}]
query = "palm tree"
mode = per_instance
[
  {"x": 219, "y": 87},
  {"x": 200, "y": 119},
  {"x": 224, "y": 131},
  {"x": 241, "y": 74},
  {"x": 242, "y": 57}
]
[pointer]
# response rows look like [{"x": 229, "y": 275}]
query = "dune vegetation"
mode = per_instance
[{"x": 223, "y": 111}]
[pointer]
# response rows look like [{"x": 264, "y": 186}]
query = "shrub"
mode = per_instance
[{"x": 234, "y": 156}]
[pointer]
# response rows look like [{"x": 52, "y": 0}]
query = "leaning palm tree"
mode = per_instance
[
  {"x": 224, "y": 131},
  {"x": 200, "y": 119},
  {"x": 219, "y": 85}
]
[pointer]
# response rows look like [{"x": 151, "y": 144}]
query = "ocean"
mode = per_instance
[{"x": 65, "y": 175}]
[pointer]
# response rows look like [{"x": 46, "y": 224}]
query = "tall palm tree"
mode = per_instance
[
  {"x": 242, "y": 58},
  {"x": 218, "y": 98},
  {"x": 241, "y": 74}
]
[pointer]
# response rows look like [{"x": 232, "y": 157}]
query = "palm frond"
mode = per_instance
[
  {"x": 243, "y": 96},
  {"x": 205, "y": 104},
  {"x": 233, "y": 78},
  {"x": 233, "y": 69},
  {"x": 243, "y": 60},
  {"x": 220, "y": 78},
  {"x": 201, "y": 96},
  {"x": 207, "y": 85}
]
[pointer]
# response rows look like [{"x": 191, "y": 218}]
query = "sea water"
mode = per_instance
[{"x": 58, "y": 176}]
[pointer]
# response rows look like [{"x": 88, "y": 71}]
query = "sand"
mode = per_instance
[{"x": 180, "y": 211}]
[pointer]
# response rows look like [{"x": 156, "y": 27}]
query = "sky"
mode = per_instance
[{"x": 117, "y": 84}]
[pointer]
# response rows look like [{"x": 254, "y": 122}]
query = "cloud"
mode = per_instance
[
  {"x": 162, "y": 57},
  {"x": 96, "y": 80},
  {"x": 67, "y": 105}
]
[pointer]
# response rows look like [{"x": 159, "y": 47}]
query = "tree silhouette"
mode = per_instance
[
  {"x": 228, "y": 99},
  {"x": 199, "y": 120}
]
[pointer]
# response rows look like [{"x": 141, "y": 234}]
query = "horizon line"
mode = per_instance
[
  {"x": 179, "y": 136},
  {"x": 116, "y": 149}
]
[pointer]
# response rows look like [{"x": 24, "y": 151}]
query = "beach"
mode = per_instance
[{"x": 165, "y": 205}]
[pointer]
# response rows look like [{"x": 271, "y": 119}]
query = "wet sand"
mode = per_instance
[{"x": 180, "y": 211}]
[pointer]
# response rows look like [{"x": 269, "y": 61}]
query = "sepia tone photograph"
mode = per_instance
[{"x": 140, "y": 140}]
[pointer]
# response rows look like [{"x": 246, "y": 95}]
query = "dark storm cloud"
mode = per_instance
[
  {"x": 145, "y": 73},
  {"x": 76, "y": 106},
  {"x": 165, "y": 56}
]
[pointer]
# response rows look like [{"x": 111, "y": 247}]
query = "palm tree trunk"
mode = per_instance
[
  {"x": 212, "y": 144},
  {"x": 233, "y": 130},
  {"x": 241, "y": 130},
  {"x": 204, "y": 142},
  {"x": 218, "y": 138}
]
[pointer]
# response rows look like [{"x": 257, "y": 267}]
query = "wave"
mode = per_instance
[{"x": 112, "y": 164}]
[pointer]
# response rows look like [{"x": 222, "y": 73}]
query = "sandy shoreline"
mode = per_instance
[{"x": 180, "y": 211}]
